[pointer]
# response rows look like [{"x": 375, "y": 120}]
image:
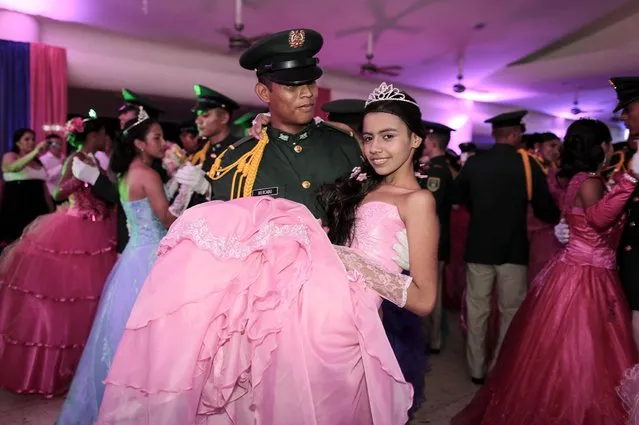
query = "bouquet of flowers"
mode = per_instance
[{"x": 174, "y": 158}]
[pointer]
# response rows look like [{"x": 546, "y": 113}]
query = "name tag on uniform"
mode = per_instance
[{"x": 267, "y": 191}]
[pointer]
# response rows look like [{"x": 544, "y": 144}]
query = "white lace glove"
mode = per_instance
[
  {"x": 390, "y": 286},
  {"x": 84, "y": 172},
  {"x": 194, "y": 177},
  {"x": 562, "y": 232},
  {"x": 181, "y": 201},
  {"x": 401, "y": 249}
]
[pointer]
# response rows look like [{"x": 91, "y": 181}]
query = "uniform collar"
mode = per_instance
[{"x": 282, "y": 136}]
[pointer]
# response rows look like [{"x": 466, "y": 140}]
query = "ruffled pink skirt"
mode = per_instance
[
  {"x": 50, "y": 284},
  {"x": 248, "y": 317}
]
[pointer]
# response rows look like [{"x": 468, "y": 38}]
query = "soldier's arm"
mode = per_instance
[
  {"x": 436, "y": 185},
  {"x": 460, "y": 187},
  {"x": 106, "y": 189},
  {"x": 543, "y": 204}
]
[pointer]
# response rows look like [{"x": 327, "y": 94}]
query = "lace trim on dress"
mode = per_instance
[
  {"x": 198, "y": 232},
  {"x": 390, "y": 286}
]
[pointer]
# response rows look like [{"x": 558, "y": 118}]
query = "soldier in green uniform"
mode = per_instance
[
  {"x": 439, "y": 180},
  {"x": 214, "y": 111},
  {"x": 295, "y": 155}
]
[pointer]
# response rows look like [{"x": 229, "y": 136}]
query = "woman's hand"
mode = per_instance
[
  {"x": 42, "y": 146},
  {"x": 260, "y": 121}
]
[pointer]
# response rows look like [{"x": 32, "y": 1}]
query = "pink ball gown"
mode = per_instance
[
  {"x": 50, "y": 284},
  {"x": 249, "y": 317},
  {"x": 571, "y": 340}
]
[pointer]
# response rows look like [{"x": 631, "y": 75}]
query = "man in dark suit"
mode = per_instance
[
  {"x": 493, "y": 186},
  {"x": 439, "y": 180}
]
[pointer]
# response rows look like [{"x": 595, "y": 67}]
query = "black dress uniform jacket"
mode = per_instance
[
  {"x": 295, "y": 166},
  {"x": 439, "y": 181},
  {"x": 628, "y": 258},
  {"x": 493, "y": 188},
  {"x": 205, "y": 158}
]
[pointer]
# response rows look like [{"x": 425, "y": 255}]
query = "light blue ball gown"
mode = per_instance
[{"x": 119, "y": 294}]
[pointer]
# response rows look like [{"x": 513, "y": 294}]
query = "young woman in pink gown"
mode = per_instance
[
  {"x": 571, "y": 340},
  {"x": 52, "y": 277},
  {"x": 252, "y": 316}
]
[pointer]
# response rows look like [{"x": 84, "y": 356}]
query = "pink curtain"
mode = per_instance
[
  {"x": 49, "y": 87},
  {"x": 323, "y": 96}
]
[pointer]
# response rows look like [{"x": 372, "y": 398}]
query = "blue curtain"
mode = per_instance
[{"x": 14, "y": 91}]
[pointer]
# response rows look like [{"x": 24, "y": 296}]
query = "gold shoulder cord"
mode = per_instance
[
  {"x": 526, "y": 160},
  {"x": 198, "y": 157},
  {"x": 618, "y": 166},
  {"x": 245, "y": 168}
]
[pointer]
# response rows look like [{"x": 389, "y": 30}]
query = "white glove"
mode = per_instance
[
  {"x": 562, "y": 232},
  {"x": 84, "y": 172},
  {"x": 634, "y": 165},
  {"x": 194, "y": 177},
  {"x": 401, "y": 249}
]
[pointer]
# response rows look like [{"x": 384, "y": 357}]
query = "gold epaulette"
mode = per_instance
[
  {"x": 525, "y": 157},
  {"x": 343, "y": 128},
  {"x": 614, "y": 166},
  {"x": 540, "y": 161},
  {"x": 198, "y": 157},
  {"x": 245, "y": 168}
]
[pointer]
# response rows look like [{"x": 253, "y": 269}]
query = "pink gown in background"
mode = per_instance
[
  {"x": 50, "y": 284},
  {"x": 249, "y": 317},
  {"x": 541, "y": 235},
  {"x": 571, "y": 340}
]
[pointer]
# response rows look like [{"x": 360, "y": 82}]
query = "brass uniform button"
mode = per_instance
[
  {"x": 635, "y": 199},
  {"x": 306, "y": 184},
  {"x": 632, "y": 224},
  {"x": 628, "y": 248},
  {"x": 297, "y": 149}
]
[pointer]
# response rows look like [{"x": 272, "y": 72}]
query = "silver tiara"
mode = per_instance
[
  {"x": 142, "y": 116},
  {"x": 387, "y": 92}
]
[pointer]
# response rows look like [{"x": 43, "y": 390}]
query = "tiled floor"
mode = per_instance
[{"x": 447, "y": 385}]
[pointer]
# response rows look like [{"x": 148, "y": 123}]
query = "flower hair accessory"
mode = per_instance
[
  {"x": 74, "y": 126},
  {"x": 358, "y": 174},
  {"x": 387, "y": 92},
  {"x": 142, "y": 116}
]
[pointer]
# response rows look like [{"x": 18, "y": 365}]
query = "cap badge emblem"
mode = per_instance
[{"x": 296, "y": 38}]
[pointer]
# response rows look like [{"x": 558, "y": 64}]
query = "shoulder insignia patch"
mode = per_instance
[{"x": 433, "y": 184}]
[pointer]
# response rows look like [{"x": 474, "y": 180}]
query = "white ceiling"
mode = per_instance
[{"x": 535, "y": 54}]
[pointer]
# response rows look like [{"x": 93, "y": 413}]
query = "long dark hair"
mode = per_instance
[
  {"x": 340, "y": 199},
  {"x": 582, "y": 151},
  {"x": 124, "y": 146},
  {"x": 17, "y": 135}
]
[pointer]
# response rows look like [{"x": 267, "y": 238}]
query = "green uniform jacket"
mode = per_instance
[
  {"x": 295, "y": 166},
  {"x": 439, "y": 181}
]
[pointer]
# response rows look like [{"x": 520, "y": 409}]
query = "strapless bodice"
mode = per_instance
[
  {"x": 376, "y": 225},
  {"x": 144, "y": 227}
]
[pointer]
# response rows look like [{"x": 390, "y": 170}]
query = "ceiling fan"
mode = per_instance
[
  {"x": 576, "y": 110},
  {"x": 369, "y": 68},
  {"x": 238, "y": 41}
]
